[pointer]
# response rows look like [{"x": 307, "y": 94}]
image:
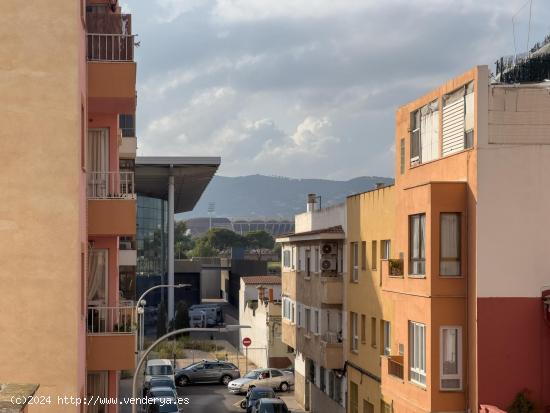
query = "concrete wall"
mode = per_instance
[
  {"x": 42, "y": 214},
  {"x": 513, "y": 242}
]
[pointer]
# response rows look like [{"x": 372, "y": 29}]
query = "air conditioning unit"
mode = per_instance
[
  {"x": 328, "y": 249},
  {"x": 328, "y": 264}
]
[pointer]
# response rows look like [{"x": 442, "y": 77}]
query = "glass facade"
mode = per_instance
[{"x": 152, "y": 236}]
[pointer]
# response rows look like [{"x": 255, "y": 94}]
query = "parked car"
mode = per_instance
[
  {"x": 159, "y": 368},
  {"x": 163, "y": 405},
  {"x": 158, "y": 382},
  {"x": 255, "y": 394},
  {"x": 270, "y": 406},
  {"x": 162, "y": 392},
  {"x": 207, "y": 372},
  {"x": 274, "y": 378}
]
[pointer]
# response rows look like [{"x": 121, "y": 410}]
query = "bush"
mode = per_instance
[{"x": 522, "y": 404}]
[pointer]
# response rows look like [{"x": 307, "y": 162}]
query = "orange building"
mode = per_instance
[{"x": 463, "y": 291}]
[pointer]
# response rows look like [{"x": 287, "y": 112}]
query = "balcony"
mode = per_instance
[
  {"x": 111, "y": 203},
  {"x": 111, "y": 185},
  {"x": 111, "y": 338},
  {"x": 332, "y": 351},
  {"x": 128, "y": 147},
  {"x": 110, "y": 47},
  {"x": 332, "y": 290},
  {"x": 395, "y": 366}
]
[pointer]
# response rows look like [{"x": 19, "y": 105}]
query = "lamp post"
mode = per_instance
[
  {"x": 164, "y": 337},
  {"x": 139, "y": 303}
]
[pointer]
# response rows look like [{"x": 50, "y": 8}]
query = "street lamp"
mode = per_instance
[
  {"x": 225, "y": 329},
  {"x": 141, "y": 302}
]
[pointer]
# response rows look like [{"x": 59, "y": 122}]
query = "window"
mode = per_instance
[
  {"x": 364, "y": 255},
  {"x": 373, "y": 331},
  {"x": 308, "y": 320},
  {"x": 83, "y": 278},
  {"x": 451, "y": 358},
  {"x": 417, "y": 255},
  {"x": 299, "y": 321},
  {"x": 386, "y": 329},
  {"x": 425, "y": 134},
  {"x": 316, "y": 260},
  {"x": 127, "y": 125},
  {"x": 317, "y": 324},
  {"x": 374, "y": 254},
  {"x": 402, "y": 154},
  {"x": 385, "y": 249},
  {"x": 292, "y": 312},
  {"x": 458, "y": 120},
  {"x": 286, "y": 308},
  {"x": 353, "y": 398},
  {"x": 385, "y": 407},
  {"x": 354, "y": 337},
  {"x": 323, "y": 378},
  {"x": 299, "y": 255},
  {"x": 449, "y": 264},
  {"x": 308, "y": 263},
  {"x": 83, "y": 135},
  {"x": 354, "y": 261},
  {"x": 276, "y": 373},
  {"x": 286, "y": 258},
  {"x": 417, "y": 352},
  {"x": 363, "y": 328},
  {"x": 368, "y": 407},
  {"x": 293, "y": 258}
]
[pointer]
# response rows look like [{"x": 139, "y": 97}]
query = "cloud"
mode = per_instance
[{"x": 304, "y": 88}]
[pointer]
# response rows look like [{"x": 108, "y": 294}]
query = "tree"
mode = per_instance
[
  {"x": 182, "y": 241},
  {"x": 202, "y": 248},
  {"x": 223, "y": 239},
  {"x": 161, "y": 319},
  {"x": 182, "y": 315},
  {"x": 258, "y": 241}
]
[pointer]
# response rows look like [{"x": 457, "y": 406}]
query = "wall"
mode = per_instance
[
  {"x": 513, "y": 205},
  {"x": 321, "y": 218},
  {"x": 42, "y": 214}
]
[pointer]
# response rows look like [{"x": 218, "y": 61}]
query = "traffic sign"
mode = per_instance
[{"x": 247, "y": 341}]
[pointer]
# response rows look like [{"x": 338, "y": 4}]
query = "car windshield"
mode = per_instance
[
  {"x": 252, "y": 375},
  {"x": 161, "y": 383},
  {"x": 273, "y": 408},
  {"x": 159, "y": 370},
  {"x": 262, "y": 394},
  {"x": 168, "y": 408}
]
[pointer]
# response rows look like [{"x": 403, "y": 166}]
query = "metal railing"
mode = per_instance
[
  {"x": 395, "y": 368},
  {"x": 109, "y": 320},
  {"x": 111, "y": 185},
  {"x": 331, "y": 337},
  {"x": 111, "y": 47}
]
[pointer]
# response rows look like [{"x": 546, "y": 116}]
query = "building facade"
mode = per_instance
[
  {"x": 459, "y": 308},
  {"x": 313, "y": 270},
  {"x": 260, "y": 308}
]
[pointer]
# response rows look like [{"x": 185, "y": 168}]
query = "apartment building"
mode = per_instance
[
  {"x": 313, "y": 273},
  {"x": 370, "y": 232},
  {"x": 260, "y": 307},
  {"x": 463, "y": 294}
]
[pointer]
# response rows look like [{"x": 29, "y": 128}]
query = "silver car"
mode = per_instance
[
  {"x": 207, "y": 372},
  {"x": 274, "y": 378}
]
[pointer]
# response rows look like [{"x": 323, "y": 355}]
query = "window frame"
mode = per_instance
[
  {"x": 459, "y": 244},
  {"x": 417, "y": 368},
  {"x": 363, "y": 329},
  {"x": 354, "y": 333},
  {"x": 363, "y": 255},
  {"x": 354, "y": 250},
  {"x": 374, "y": 253},
  {"x": 459, "y": 349},
  {"x": 422, "y": 245},
  {"x": 386, "y": 331}
]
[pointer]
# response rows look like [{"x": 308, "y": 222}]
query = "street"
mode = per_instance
[{"x": 211, "y": 398}]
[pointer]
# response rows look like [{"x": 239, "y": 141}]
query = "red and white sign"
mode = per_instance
[{"x": 247, "y": 342}]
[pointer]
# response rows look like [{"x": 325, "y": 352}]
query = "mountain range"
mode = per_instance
[{"x": 260, "y": 196}]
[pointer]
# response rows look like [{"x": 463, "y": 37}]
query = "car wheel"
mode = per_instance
[
  {"x": 284, "y": 386},
  {"x": 226, "y": 379},
  {"x": 243, "y": 404},
  {"x": 183, "y": 381}
]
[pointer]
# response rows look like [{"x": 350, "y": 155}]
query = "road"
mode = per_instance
[{"x": 211, "y": 398}]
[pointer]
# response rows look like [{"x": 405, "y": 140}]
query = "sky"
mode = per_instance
[{"x": 306, "y": 88}]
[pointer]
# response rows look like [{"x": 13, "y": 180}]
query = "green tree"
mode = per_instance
[
  {"x": 202, "y": 248},
  {"x": 223, "y": 239},
  {"x": 258, "y": 241},
  {"x": 182, "y": 241}
]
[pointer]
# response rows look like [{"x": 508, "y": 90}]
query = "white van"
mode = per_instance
[{"x": 159, "y": 368}]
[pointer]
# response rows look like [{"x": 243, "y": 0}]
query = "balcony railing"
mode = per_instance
[
  {"x": 111, "y": 185},
  {"x": 395, "y": 267},
  {"x": 331, "y": 337},
  {"x": 395, "y": 366},
  {"x": 111, "y": 320},
  {"x": 111, "y": 47}
]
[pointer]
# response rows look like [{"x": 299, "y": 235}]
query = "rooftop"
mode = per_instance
[
  {"x": 262, "y": 279},
  {"x": 20, "y": 393}
]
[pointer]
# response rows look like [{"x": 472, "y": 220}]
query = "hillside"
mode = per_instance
[{"x": 259, "y": 196}]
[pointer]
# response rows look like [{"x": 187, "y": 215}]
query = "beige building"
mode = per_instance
[
  {"x": 260, "y": 308},
  {"x": 313, "y": 270}
]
